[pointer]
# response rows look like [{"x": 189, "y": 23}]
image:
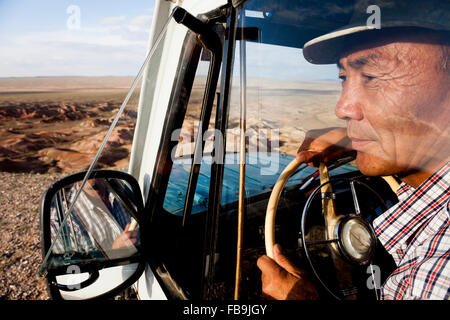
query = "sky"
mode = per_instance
[
  {"x": 75, "y": 37},
  {"x": 103, "y": 38}
]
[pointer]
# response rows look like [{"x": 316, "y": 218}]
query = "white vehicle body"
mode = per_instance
[{"x": 153, "y": 104}]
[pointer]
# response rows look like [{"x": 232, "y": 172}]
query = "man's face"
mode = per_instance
[{"x": 396, "y": 102}]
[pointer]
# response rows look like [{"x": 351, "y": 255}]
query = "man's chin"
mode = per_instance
[{"x": 371, "y": 165}]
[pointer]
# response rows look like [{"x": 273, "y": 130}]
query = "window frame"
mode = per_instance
[{"x": 181, "y": 90}]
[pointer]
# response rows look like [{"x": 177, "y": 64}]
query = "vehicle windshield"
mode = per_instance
[{"x": 285, "y": 96}]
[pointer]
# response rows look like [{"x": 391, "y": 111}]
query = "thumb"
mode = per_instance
[{"x": 284, "y": 262}]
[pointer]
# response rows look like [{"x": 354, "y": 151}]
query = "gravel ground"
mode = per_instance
[{"x": 20, "y": 253}]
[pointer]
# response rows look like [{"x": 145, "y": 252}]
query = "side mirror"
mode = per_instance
[{"x": 96, "y": 252}]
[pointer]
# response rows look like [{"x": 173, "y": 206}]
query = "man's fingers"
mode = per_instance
[
  {"x": 284, "y": 262},
  {"x": 279, "y": 263},
  {"x": 323, "y": 145},
  {"x": 132, "y": 235},
  {"x": 306, "y": 156},
  {"x": 265, "y": 263},
  {"x": 269, "y": 266},
  {"x": 276, "y": 282}
]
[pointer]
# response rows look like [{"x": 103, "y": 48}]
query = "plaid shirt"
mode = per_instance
[
  {"x": 416, "y": 232},
  {"x": 93, "y": 224}
]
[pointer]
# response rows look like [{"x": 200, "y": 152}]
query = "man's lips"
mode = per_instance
[{"x": 358, "y": 144}]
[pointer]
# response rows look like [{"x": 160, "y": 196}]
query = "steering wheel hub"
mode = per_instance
[{"x": 356, "y": 239}]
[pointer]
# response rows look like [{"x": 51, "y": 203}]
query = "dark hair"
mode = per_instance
[
  {"x": 441, "y": 38},
  {"x": 445, "y": 52}
]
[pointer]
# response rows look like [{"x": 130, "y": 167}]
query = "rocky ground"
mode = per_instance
[{"x": 20, "y": 254}]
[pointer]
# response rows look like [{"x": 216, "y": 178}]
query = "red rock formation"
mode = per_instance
[{"x": 62, "y": 138}]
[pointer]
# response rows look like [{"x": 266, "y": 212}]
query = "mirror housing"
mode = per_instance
[{"x": 98, "y": 251}]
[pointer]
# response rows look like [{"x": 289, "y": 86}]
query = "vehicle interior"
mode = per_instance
[{"x": 257, "y": 77}]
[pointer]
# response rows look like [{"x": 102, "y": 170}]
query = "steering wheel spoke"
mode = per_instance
[
  {"x": 319, "y": 242},
  {"x": 355, "y": 198}
]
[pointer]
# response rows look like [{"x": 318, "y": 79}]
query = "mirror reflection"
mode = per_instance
[{"x": 100, "y": 226}]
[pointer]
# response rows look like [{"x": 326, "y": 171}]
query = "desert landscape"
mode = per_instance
[
  {"x": 57, "y": 124},
  {"x": 50, "y": 127}
]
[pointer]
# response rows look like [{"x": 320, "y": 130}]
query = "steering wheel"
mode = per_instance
[{"x": 350, "y": 238}]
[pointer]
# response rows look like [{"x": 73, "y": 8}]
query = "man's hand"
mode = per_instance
[
  {"x": 125, "y": 239},
  {"x": 324, "y": 145},
  {"x": 282, "y": 280}
]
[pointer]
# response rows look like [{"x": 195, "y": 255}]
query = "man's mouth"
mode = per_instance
[{"x": 359, "y": 144}]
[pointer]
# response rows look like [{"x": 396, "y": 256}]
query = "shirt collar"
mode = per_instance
[{"x": 416, "y": 206}]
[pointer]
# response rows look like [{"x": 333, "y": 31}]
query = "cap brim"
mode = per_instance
[{"x": 327, "y": 49}]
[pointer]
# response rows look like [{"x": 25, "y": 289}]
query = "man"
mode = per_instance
[
  {"x": 396, "y": 101},
  {"x": 98, "y": 222}
]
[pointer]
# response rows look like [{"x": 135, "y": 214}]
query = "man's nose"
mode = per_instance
[{"x": 349, "y": 105}]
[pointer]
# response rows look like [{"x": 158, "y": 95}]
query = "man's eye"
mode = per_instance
[
  {"x": 368, "y": 77},
  {"x": 343, "y": 78}
]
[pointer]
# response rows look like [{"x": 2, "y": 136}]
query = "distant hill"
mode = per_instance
[{"x": 51, "y": 84}]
